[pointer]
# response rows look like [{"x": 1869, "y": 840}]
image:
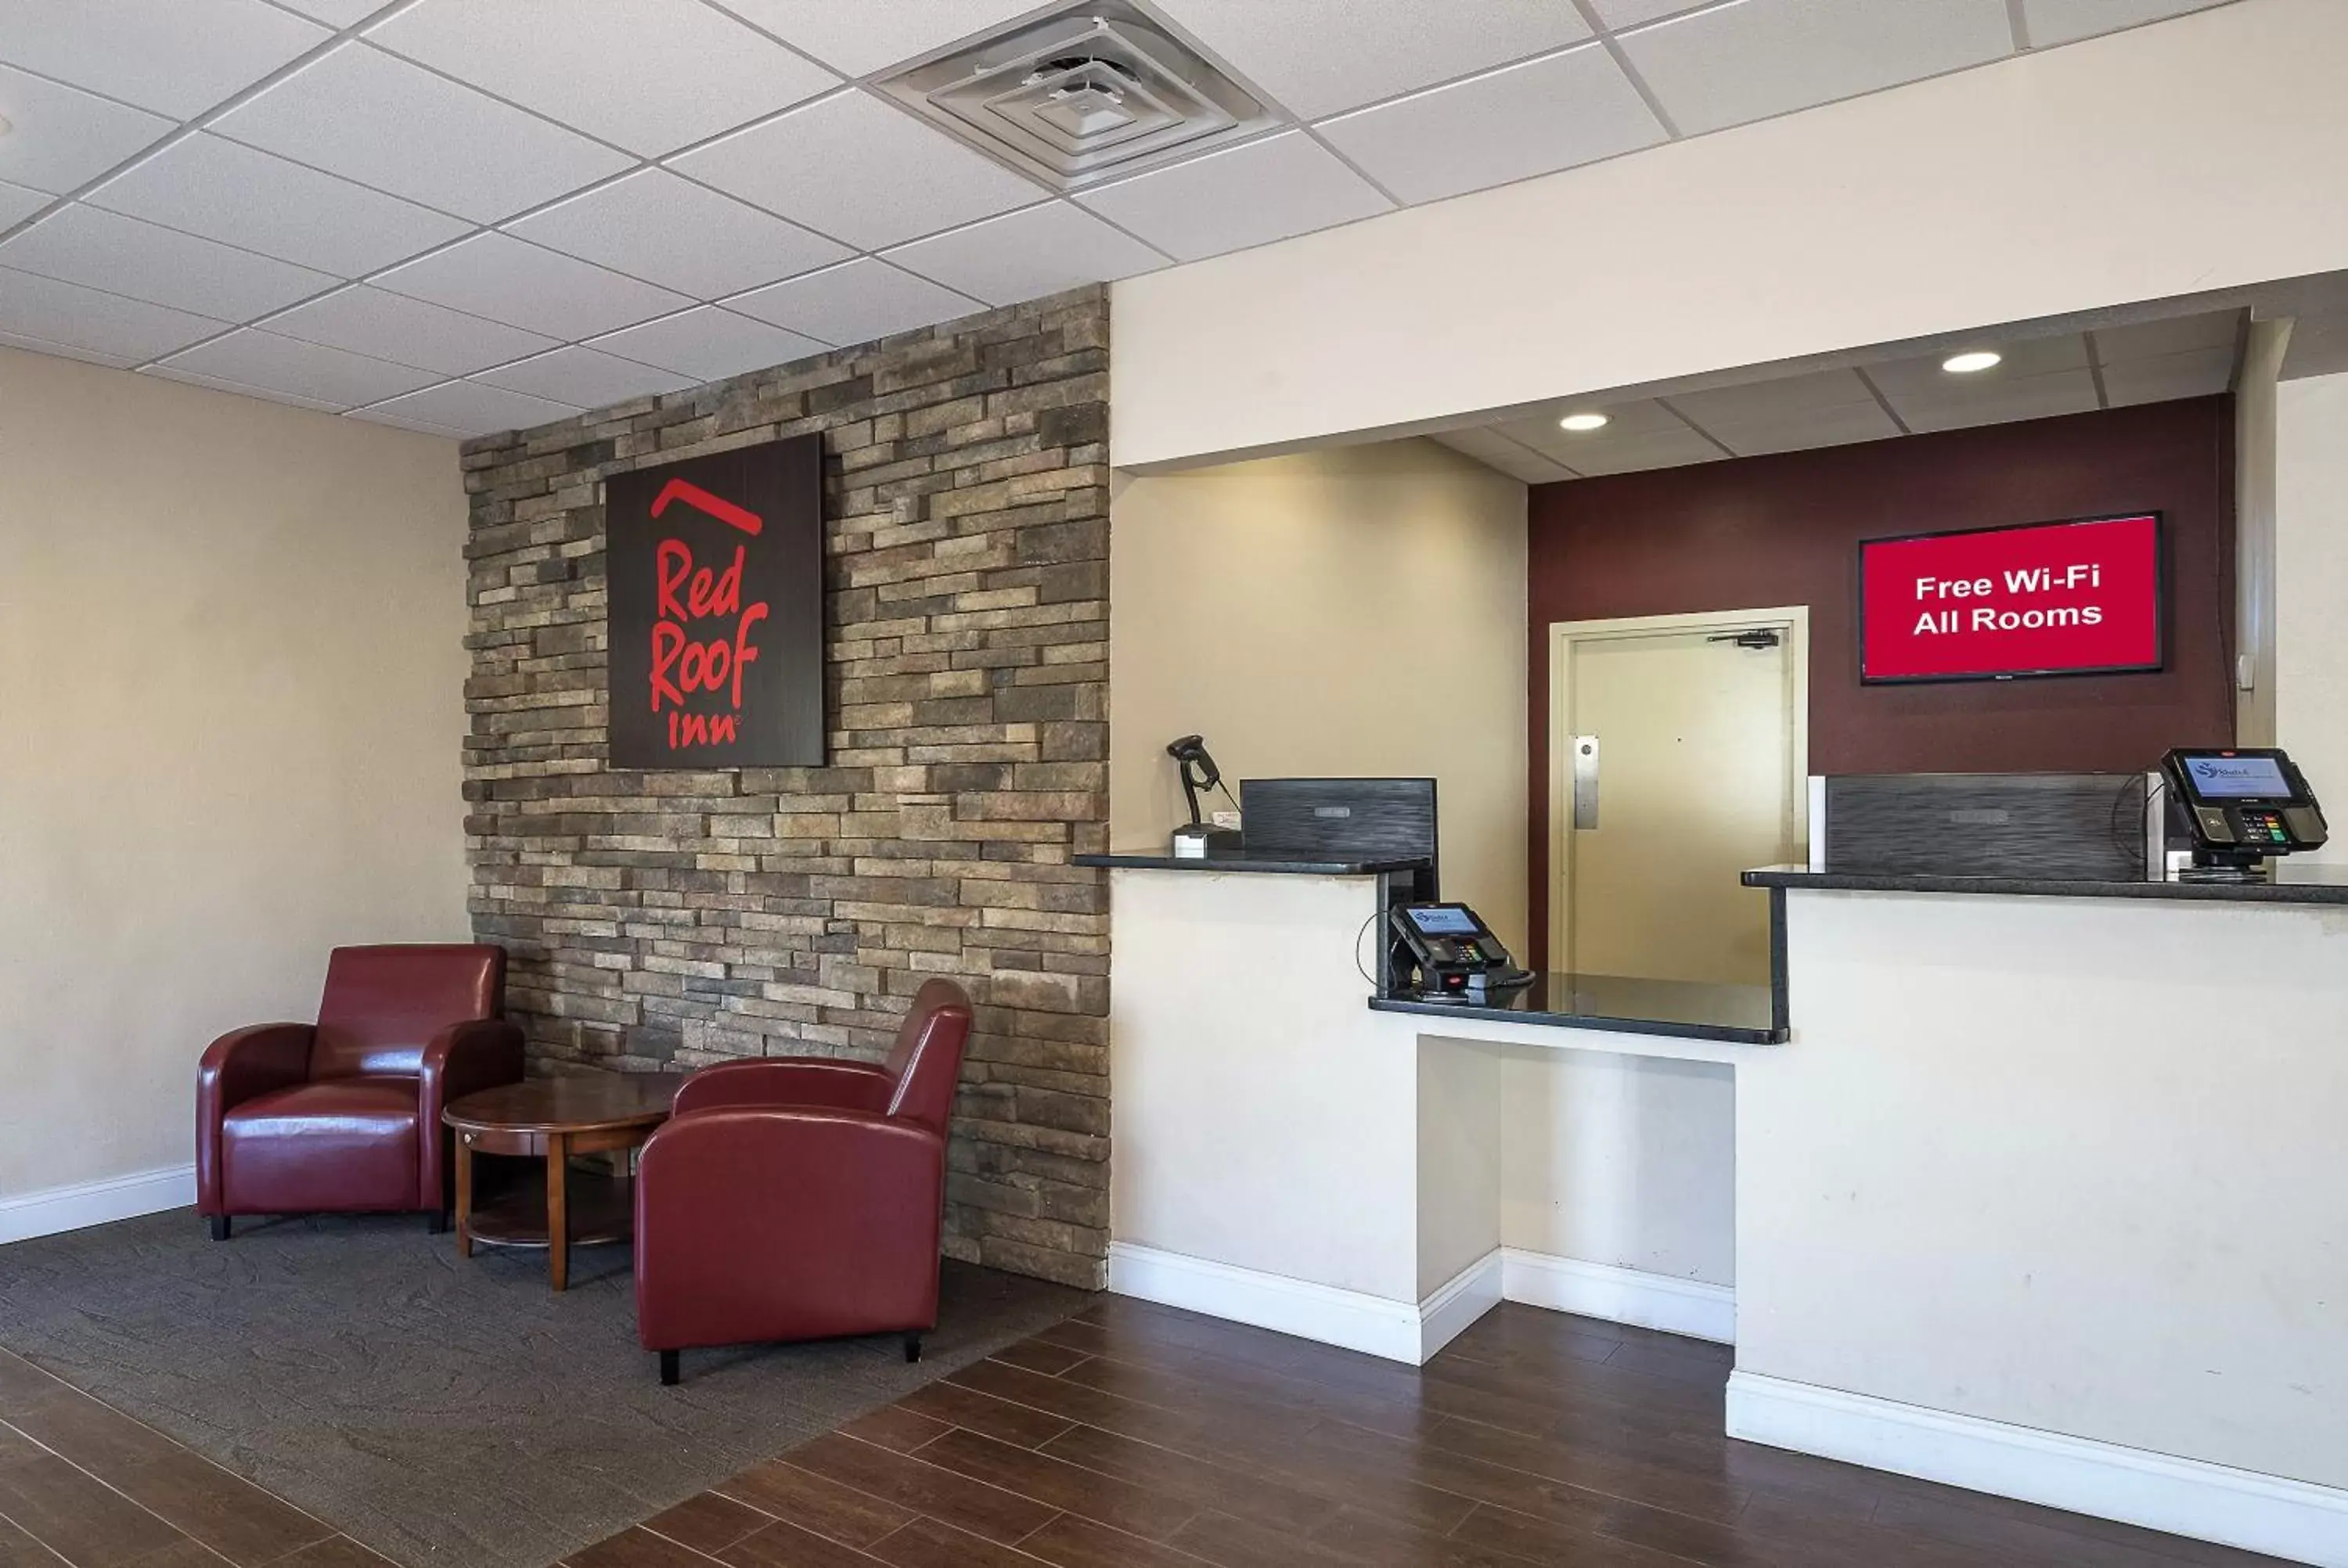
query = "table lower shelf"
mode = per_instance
[{"x": 602, "y": 1209}]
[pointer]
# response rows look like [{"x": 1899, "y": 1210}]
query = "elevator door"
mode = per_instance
[{"x": 1681, "y": 768}]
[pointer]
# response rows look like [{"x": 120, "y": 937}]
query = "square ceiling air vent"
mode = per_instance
[{"x": 1096, "y": 90}]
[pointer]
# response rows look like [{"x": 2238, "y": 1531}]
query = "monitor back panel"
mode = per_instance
[
  {"x": 1340, "y": 819},
  {"x": 2084, "y": 825}
]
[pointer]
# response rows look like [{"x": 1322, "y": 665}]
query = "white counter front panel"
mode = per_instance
[
  {"x": 2067, "y": 1164},
  {"x": 1255, "y": 1117}
]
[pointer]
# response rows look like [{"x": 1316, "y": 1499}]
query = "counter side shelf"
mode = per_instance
[{"x": 1685, "y": 1009}]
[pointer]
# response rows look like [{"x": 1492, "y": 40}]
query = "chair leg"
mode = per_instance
[
  {"x": 913, "y": 1346},
  {"x": 669, "y": 1371},
  {"x": 219, "y": 1227},
  {"x": 437, "y": 1221}
]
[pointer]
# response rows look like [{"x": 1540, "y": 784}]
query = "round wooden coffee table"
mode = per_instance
[{"x": 553, "y": 1119}]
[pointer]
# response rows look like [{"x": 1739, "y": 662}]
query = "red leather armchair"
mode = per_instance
[
  {"x": 801, "y": 1198},
  {"x": 345, "y": 1114}
]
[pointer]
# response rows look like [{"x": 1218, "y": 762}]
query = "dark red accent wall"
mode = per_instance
[{"x": 1784, "y": 530}]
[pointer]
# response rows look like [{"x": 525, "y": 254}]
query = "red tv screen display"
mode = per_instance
[{"x": 2043, "y": 598}]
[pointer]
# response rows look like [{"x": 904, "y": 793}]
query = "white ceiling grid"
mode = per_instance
[
  {"x": 2035, "y": 378},
  {"x": 464, "y": 215}
]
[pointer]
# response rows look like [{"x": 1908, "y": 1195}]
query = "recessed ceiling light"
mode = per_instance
[
  {"x": 1579, "y": 423},
  {"x": 1966, "y": 363}
]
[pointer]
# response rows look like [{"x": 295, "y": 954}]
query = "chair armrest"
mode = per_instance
[
  {"x": 467, "y": 1057},
  {"x": 786, "y": 1224},
  {"x": 461, "y": 1059},
  {"x": 246, "y": 1063},
  {"x": 240, "y": 1065},
  {"x": 782, "y": 1081}
]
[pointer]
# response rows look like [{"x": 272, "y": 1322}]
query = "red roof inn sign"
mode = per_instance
[
  {"x": 715, "y": 569},
  {"x": 2042, "y": 599}
]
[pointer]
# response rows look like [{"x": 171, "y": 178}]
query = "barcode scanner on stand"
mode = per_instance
[{"x": 1197, "y": 771}]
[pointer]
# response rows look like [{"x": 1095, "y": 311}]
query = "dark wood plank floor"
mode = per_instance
[
  {"x": 83, "y": 1484},
  {"x": 1135, "y": 1435}
]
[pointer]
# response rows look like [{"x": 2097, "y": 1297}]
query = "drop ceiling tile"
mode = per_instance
[
  {"x": 337, "y": 14},
  {"x": 1027, "y": 255},
  {"x": 419, "y": 426},
  {"x": 1319, "y": 56},
  {"x": 2179, "y": 334},
  {"x": 222, "y": 383},
  {"x": 362, "y": 114},
  {"x": 472, "y": 409},
  {"x": 1250, "y": 195},
  {"x": 65, "y": 350},
  {"x": 1923, "y": 377},
  {"x": 163, "y": 55},
  {"x": 1640, "y": 434},
  {"x": 709, "y": 344},
  {"x": 104, "y": 324},
  {"x": 1512, "y": 124},
  {"x": 1800, "y": 429},
  {"x": 18, "y": 203},
  {"x": 1638, "y": 453},
  {"x": 651, "y": 76},
  {"x": 226, "y": 191},
  {"x": 859, "y": 39},
  {"x": 1997, "y": 402},
  {"x": 2198, "y": 373},
  {"x": 852, "y": 167},
  {"x": 2061, "y": 21},
  {"x": 854, "y": 302},
  {"x": 1753, "y": 58},
  {"x": 586, "y": 377},
  {"x": 1616, "y": 14},
  {"x": 408, "y": 332},
  {"x": 1763, "y": 400},
  {"x": 666, "y": 230},
  {"x": 508, "y": 280},
  {"x": 288, "y": 366},
  {"x": 1495, "y": 450},
  {"x": 124, "y": 256},
  {"x": 62, "y": 137}
]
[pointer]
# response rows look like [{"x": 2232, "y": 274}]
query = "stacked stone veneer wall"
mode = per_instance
[{"x": 664, "y": 920}]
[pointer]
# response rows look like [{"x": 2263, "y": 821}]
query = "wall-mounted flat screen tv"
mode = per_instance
[{"x": 2081, "y": 597}]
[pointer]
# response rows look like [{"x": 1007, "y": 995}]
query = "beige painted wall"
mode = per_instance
[
  {"x": 2311, "y": 502},
  {"x": 1354, "y": 612},
  {"x": 2151, "y": 163},
  {"x": 232, "y": 709}
]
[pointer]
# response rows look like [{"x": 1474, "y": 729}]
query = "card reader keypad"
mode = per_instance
[{"x": 2264, "y": 825}]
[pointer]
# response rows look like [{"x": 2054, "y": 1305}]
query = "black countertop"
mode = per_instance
[
  {"x": 2294, "y": 883},
  {"x": 1689, "y": 1010},
  {"x": 1244, "y": 860}
]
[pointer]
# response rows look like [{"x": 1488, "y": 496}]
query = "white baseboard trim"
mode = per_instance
[
  {"x": 1657, "y": 1301},
  {"x": 1350, "y": 1318},
  {"x": 1402, "y": 1331},
  {"x": 1457, "y": 1303},
  {"x": 2284, "y": 1518},
  {"x": 55, "y": 1209}
]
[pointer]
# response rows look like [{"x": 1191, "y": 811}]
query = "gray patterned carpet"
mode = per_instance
[{"x": 446, "y": 1411}]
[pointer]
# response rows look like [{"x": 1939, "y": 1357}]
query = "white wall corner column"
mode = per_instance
[{"x": 2309, "y": 544}]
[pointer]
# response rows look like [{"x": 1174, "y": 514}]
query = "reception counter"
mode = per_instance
[{"x": 2042, "y": 1193}]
